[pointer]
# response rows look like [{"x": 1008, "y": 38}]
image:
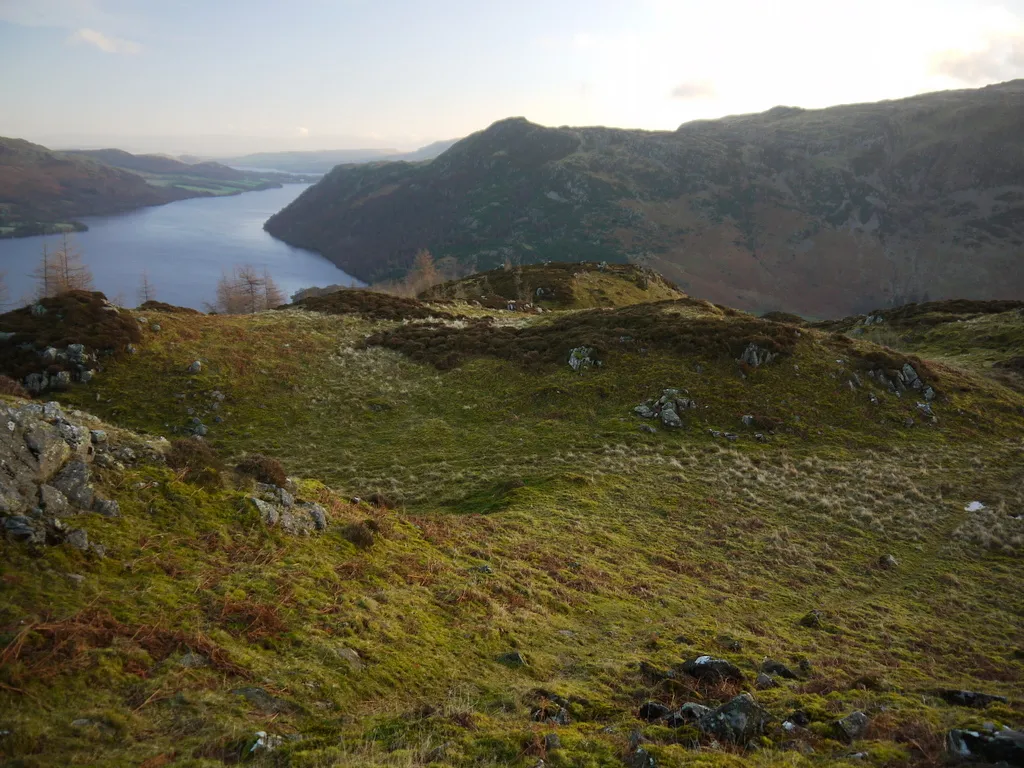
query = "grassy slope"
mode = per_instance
[
  {"x": 578, "y": 285},
  {"x": 606, "y": 546}
]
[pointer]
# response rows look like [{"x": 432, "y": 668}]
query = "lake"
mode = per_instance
[{"x": 183, "y": 247}]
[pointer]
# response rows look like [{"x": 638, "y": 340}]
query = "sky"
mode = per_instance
[{"x": 221, "y": 77}]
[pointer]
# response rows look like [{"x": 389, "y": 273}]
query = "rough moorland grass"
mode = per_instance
[
  {"x": 536, "y": 517},
  {"x": 577, "y": 285},
  {"x": 371, "y": 304},
  {"x": 75, "y": 317}
]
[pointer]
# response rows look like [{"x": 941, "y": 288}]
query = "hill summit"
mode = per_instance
[{"x": 822, "y": 212}]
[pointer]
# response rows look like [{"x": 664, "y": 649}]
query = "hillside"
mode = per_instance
[
  {"x": 45, "y": 191},
  {"x": 662, "y": 534},
  {"x": 985, "y": 336},
  {"x": 822, "y": 212},
  {"x": 40, "y": 189}
]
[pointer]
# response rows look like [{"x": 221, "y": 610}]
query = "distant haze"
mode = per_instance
[{"x": 234, "y": 77}]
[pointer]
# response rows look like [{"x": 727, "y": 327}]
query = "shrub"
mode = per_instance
[
  {"x": 159, "y": 306},
  {"x": 75, "y": 317},
  {"x": 359, "y": 534},
  {"x": 379, "y": 306},
  {"x": 381, "y": 500},
  {"x": 9, "y": 386},
  {"x": 197, "y": 460},
  {"x": 264, "y": 469}
]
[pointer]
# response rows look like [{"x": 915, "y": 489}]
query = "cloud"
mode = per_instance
[
  {"x": 1001, "y": 58},
  {"x": 693, "y": 90},
  {"x": 48, "y": 13},
  {"x": 301, "y": 132},
  {"x": 103, "y": 42}
]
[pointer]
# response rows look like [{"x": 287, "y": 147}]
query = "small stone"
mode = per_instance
[
  {"x": 739, "y": 720},
  {"x": 748, "y": 421},
  {"x": 513, "y": 659},
  {"x": 813, "y": 620},
  {"x": 19, "y": 528},
  {"x": 98, "y": 436},
  {"x": 709, "y": 668},
  {"x": 195, "y": 367},
  {"x": 107, "y": 507},
  {"x": 552, "y": 742},
  {"x": 652, "y": 711},
  {"x": 156, "y": 327},
  {"x": 670, "y": 419},
  {"x": 888, "y": 562},
  {"x": 969, "y": 698},
  {"x": 192, "y": 660},
  {"x": 764, "y": 681},
  {"x": 78, "y": 539},
  {"x": 851, "y": 727},
  {"x": 649, "y": 429},
  {"x": 353, "y": 659},
  {"x": 772, "y": 667}
]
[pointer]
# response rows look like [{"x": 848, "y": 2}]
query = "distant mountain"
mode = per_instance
[
  {"x": 42, "y": 191},
  {"x": 823, "y": 212},
  {"x": 322, "y": 161},
  {"x": 318, "y": 161},
  {"x": 159, "y": 164}
]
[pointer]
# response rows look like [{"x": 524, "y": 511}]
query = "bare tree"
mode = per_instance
[
  {"x": 44, "y": 275},
  {"x": 61, "y": 271},
  {"x": 73, "y": 274},
  {"x": 246, "y": 291},
  {"x": 146, "y": 290},
  {"x": 423, "y": 274},
  {"x": 272, "y": 296}
]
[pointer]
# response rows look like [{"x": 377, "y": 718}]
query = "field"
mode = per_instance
[{"x": 511, "y": 556}]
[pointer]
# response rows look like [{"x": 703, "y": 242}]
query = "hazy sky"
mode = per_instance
[{"x": 219, "y": 75}]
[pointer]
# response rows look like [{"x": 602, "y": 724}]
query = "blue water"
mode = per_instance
[{"x": 183, "y": 247}]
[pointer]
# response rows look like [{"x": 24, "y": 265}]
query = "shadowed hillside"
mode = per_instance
[{"x": 822, "y": 212}]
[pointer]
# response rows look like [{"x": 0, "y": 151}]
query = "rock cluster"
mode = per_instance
[
  {"x": 79, "y": 367},
  {"x": 581, "y": 358},
  {"x": 754, "y": 356},
  {"x": 900, "y": 380},
  {"x": 666, "y": 408},
  {"x": 45, "y": 475},
  {"x": 278, "y": 508}
]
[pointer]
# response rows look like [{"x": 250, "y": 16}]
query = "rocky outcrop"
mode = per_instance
[
  {"x": 666, "y": 408},
  {"x": 46, "y": 477},
  {"x": 278, "y": 508}
]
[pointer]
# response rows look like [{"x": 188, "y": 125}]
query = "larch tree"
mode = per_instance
[
  {"x": 246, "y": 291},
  {"x": 423, "y": 274},
  {"x": 61, "y": 271},
  {"x": 146, "y": 290}
]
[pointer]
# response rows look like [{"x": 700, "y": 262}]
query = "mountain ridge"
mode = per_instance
[{"x": 824, "y": 212}]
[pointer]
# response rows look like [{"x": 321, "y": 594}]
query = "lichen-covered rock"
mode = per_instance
[
  {"x": 712, "y": 669},
  {"x": 53, "y": 502},
  {"x": 74, "y": 482},
  {"x": 1004, "y": 746},
  {"x": 851, "y": 727},
  {"x": 738, "y": 721},
  {"x": 581, "y": 358},
  {"x": 49, "y": 447},
  {"x": 754, "y": 356}
]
